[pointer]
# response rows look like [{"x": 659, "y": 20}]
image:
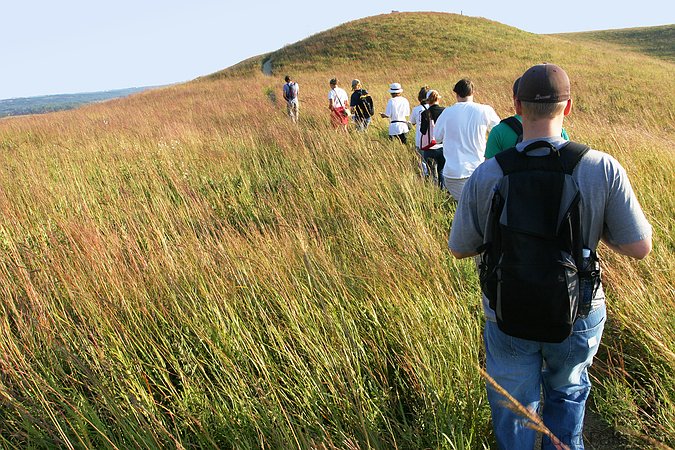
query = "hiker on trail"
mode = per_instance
[
  {"x": 530, "y": 309},
  {"x": 338, "y": 103},
  {"x": 416, "y": 120},
  {"x": 291, "y": 90},
  {"x": 462, "y": 129},
  {"x": 416, "y": 114},
  {"x": 362, "y": 105},
  {"x": 508, "y": 132},
  {"x": 397, "y": 111},
  {"x": 430, "y": 149}
]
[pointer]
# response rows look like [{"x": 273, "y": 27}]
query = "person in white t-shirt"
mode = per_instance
[
  {"x": 462, "y": 129},
  {"x": 416, "y": 114},
  {"x": 397, "y": 111},
  {"x": 416, "y": 119},
  {"x": 338, "y": 103}
]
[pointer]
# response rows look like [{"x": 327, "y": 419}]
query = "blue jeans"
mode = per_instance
[
  {"x": 362, "y": 123},
  {"x": 437, "y": 156},
  {"x": 525, "y": 367}
]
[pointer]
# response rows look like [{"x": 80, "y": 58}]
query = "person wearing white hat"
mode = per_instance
[{"x": 397, "y": 111}]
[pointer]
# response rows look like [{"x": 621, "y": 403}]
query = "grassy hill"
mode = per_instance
[
  {"x": 186, "y": 268},
  {"x": 658, "y": 41}
]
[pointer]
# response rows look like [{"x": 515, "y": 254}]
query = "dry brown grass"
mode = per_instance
[{"x": 186, "y": 268}]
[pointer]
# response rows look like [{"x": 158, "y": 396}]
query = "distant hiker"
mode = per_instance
[
  {"x": 462, "y": 129},
  {"x": 362, "y": 104},
  {"x": 540, "y": 299},
  {"x": 430, "y": 149},
  {"x": 397, "y": 111},
  {"x": 291, "y": 90},
  {"x": 338, "y": 103},
  {"x": 508, "y": 132}
]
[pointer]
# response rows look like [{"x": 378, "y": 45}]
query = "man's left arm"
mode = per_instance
[
  {"x": 638, "y": 250},
  {"x": 627, "y": 230}
]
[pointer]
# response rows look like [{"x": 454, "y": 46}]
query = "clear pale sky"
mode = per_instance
[{"x": 70, "y": 46}]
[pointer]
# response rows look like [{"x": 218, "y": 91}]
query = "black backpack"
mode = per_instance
[
  {"x": 427, "y": 128},
  {"x": 515, "y": 125},
  {"x": 533, "y": 243},
  {"x": 366, "y": 107}
]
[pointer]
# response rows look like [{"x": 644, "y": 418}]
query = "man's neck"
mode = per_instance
[
  {"x": 464, "y": 99},
  {"x": 533, "y": 129}
]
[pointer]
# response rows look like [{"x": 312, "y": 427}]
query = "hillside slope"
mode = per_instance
[
  {"x": 387, "y": 38},
  {"x": 386, "y": 48},
  {"x": 657, "y": 41}
]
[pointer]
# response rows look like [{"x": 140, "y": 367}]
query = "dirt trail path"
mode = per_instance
[{"x": 267, "y": 67}]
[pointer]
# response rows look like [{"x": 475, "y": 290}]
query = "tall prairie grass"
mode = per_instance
[{"x": 185, "y": 268}]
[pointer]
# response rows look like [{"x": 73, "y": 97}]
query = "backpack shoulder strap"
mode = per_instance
[
  {"x": 512, "y": 160},
  {"x": 514, "y": 124},
  {"x": 509, "y": 160},
  {"x": 570, "y": 155}
]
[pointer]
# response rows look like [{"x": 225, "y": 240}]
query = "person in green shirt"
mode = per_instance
[{"x": 508, "y": 132}]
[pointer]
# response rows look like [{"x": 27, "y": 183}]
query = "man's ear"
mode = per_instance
[
  {"x": 519, "y": 106},
  {"x": 568, "y": 107}
]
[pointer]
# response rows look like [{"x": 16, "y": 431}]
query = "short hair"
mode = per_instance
[
  {"x": 334, "y": 81},
  {"x": 463, "y": 88},
  {"x": 422, "y": 95},
  {"x": 532, "y": 110},
  {"x": 287, "y": 79}
]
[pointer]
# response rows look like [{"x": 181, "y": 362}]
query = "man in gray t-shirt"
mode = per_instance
[{"x": 610, "y": 212}]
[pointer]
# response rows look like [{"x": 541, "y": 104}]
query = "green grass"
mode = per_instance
[
  {"x": 657, "y": 41},
  {"x": 185, "y": 268}
]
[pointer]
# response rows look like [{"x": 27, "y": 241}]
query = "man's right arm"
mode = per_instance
[
  {"x": 468, "y": 224},
  {"x": 637, "y": 250}
]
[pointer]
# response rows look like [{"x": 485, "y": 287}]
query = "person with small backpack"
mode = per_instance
[
  {"x": 416, "y": 114},
  {"x": 508, "y": 132},
  {"x": 429, "y": 148},
  {"x": 416, "y": 120},
  {"x": 290, "y": 92},
  {"x": 362, "y": 104},
  {"x": 535, "y": 214},
  {"x": 338, "y": 104}
]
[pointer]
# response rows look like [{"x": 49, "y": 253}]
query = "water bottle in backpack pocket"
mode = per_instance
[{"x": 590, "y": 276}]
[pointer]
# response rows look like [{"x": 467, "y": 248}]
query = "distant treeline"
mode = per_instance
[{"x": 51, "y": 103}]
